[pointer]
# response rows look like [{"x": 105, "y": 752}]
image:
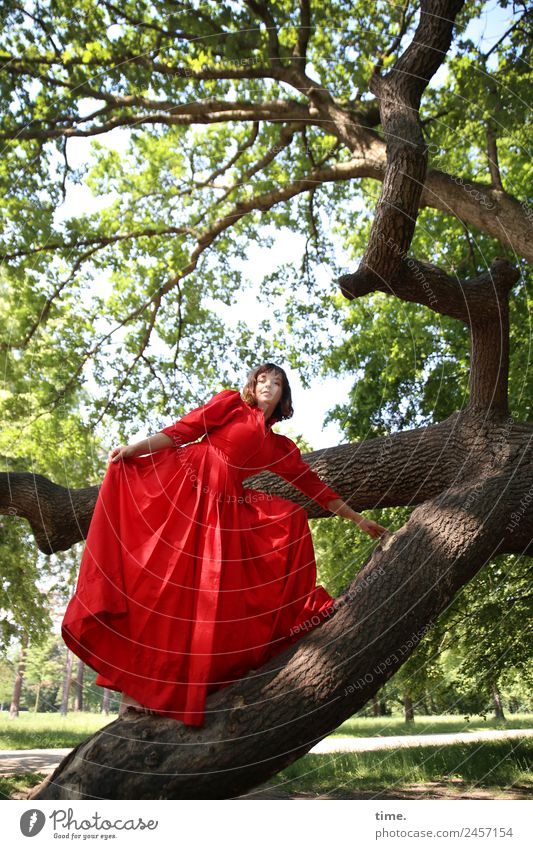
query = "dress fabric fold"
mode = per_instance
[{"x": 188, "y": 579}]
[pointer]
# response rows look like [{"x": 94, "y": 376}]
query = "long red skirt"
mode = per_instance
[{"x": 188, "y": 580}]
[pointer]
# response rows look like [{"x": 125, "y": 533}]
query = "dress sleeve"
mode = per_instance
[
  {"x": 203, "y": 419},
  {"x": 289, "y": 465}
]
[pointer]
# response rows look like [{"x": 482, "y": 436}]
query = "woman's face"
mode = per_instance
[{"x": 269, "y": 388}]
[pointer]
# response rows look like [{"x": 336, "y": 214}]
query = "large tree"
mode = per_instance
[{"x": 304, "y": 103}]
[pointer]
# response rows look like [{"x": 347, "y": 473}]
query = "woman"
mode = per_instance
[{"x": 188, "y": 580}]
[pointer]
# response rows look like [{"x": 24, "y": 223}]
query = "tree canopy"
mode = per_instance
[{"x": 195, "y": 125}]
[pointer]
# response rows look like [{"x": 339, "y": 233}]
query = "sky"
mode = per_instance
[{"x": 311, "y": 405}]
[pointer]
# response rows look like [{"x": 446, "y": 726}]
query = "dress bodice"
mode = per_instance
[{"x": 250, "y": 446}]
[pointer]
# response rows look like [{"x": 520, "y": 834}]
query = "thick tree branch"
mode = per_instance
[
  {"x": 199, "y": 112},
  {"x": 423, "y": 283},
  {"x": 477, "y": 204},
  {"x": 304, "y": 33},
  {"x": 481, "y": 303},
  {"x": 481, "y": 206},
  {"x": 399, "y": 95},
  {"x": 409, "y": 467}
]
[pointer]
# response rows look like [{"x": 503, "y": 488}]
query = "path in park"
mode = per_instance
[{"x": 16, "y": 761}]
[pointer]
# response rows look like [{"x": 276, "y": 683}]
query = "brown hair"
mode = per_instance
[{"x": 284, "y": 408}]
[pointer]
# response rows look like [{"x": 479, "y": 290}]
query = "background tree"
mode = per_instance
[
  {"x": 20, "y": 669},
  {"x": 490, "y": 625},
  {"x": 294, "y": 124},
  {"x": 43, "y": 672}
]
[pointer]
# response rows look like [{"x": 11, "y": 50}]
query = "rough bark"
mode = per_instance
[
  {"x": 492, "y": 156},
  {"x": 483, "y": 207}
]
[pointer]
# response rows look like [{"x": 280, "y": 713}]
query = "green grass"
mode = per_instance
[
  {"x": 49, "y": 730},
  {"x": 496, "y": 764},
  {"x": 387, "y": 726},
  {"x": 10, "y": 784},
  {"x": 492, "y": 764},
  {"x": 52, "y": 731}
]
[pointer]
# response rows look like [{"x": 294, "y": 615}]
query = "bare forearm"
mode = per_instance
[
  {"x": 373, "y": 529},
  {"x": 151, "y": 444},
  {"x": 340, "y": 507},
  {"x": 145, "y": 446}
]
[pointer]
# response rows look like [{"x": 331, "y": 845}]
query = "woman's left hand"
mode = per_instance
[{"x": 372, "y": 528}]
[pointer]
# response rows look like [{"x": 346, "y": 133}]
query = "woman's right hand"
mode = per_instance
[{"x": 120, "y": 453}]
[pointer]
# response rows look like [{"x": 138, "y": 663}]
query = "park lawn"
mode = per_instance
[
  {"x": 49, "y": 730},
  {"x": 499, "y": 767},
  {"x": 496, "y": 765},
  {"x": 52, "y": 731},
  {"x": 391, "y": 726}
]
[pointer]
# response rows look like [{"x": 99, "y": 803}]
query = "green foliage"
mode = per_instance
[
  {"x": 341, "y": 548},
  {"x": 43, "y": 673},
  {"x": 32, "y": 587},
  {"x": 6, "y": 680},
  {"x": 106, "y": 288},
  {"x": 23, "y": 606},
  {"x": 496, "y": 607}
]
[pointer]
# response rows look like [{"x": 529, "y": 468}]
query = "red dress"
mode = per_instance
[{"x": 188, "y": 580}]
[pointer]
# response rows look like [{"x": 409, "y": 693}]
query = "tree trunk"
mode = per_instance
[
  {"x": 105, "y": 701},
  {"x": 78, "y": 685},
  {"x": 37, "y": 695},
  {"x": 497, "y": 701},
  {"x": 379, "y": 705},
  {"x": 19, "y": 678},
  {"x": 409, "y": 713},
  {"x": 67, "y": 679}
]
